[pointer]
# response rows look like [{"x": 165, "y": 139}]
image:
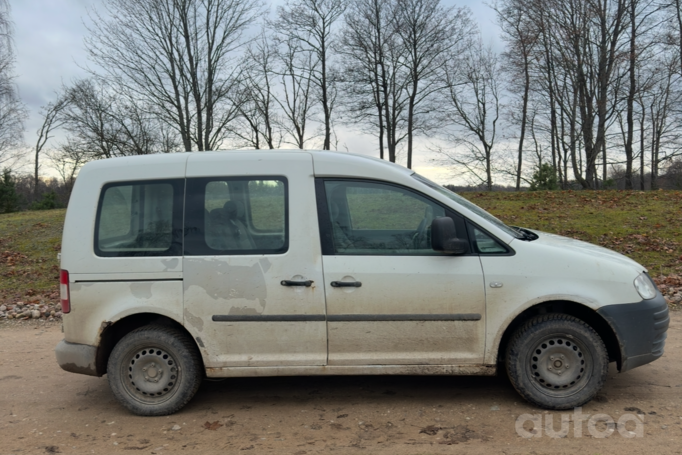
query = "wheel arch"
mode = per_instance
[
  {"x": 112, "y": 333},
  {"x": 582, "y": 312}
]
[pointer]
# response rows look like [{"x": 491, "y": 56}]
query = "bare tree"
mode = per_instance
[
  {"x": 474, "y": 102},
  {"x": 310, "y": 24},
  {"x": 375, "y": 80},
  {"x": 673, "y": 10},
  {"x": 258, "y": 125},
  {"x": 52, "y": 120},
  {"x": 68, "y": 158},
  {"x": 522, "y": 37},
  {"x": 641, "y": 27},
  {"x": 296, "y": 70},
  {"x": 108, "y": 124},
  {"x": 12, "y": 110},
  {"x": 177, "y": 58},
  {"x": 666, "y": 94},
  {"x": 428, "y": 32}
]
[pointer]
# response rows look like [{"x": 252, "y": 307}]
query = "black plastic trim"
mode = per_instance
[
  {"x": 346, "y": 284},
  {"x": 269, "y": 318},
  {"x": 323, "y": 218},
  {"x": 470, "y": 228},
  {"x": 402, "y": 317},
  {"x": 641, "y": 329},
  {"x": 306, "y": 283},
  {"x": 345, "y": 317}
]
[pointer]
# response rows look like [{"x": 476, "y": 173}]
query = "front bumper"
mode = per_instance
[
  {"x": 641, "y": 330},
  {"x": 77, "y": 358}
]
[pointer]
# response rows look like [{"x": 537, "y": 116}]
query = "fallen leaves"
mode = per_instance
[
  {"x": 430, "y": 430},
  {"x": 212, "y": 426},
  {"x": 671, "y": 288}
]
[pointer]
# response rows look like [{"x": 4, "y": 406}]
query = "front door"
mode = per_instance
[
  {"x": 391, "y": 299},
  {"x": 253, "y": 291}
]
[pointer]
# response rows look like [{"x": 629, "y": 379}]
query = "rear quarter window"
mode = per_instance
[{"x": 140, "y": 219}]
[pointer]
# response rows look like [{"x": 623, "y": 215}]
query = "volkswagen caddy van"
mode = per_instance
[{"x": 275, "y": 263}]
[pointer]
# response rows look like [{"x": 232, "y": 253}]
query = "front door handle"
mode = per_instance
[
  {"x": 346, "y": 284},
  {"x": 306, "y": 283}
]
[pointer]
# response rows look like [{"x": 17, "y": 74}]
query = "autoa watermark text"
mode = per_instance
[{"x": 598, "y": 425}]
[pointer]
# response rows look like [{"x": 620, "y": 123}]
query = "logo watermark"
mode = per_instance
[{"x": 598, "y": 425}]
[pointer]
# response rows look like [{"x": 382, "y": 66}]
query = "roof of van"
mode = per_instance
[{"x": 324, "y": 159}]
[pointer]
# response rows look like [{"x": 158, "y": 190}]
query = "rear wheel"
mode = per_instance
[
  {"x": 557, "y": 361},
  {"x": 154, "y": 370}
]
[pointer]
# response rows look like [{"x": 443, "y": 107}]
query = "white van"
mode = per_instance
[{"x": 276, "y": 263}]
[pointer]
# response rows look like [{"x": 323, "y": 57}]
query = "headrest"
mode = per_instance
[
  {"x": 231, "y": 210},
  {"x": 240, "y": 209}
]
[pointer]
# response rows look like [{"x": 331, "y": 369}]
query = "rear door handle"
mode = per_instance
[
  {"x": 306, "y": 283},
  {"x": 346, "y": 284}
]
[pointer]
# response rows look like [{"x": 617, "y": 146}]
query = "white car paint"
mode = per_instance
[{"x": 190, "y": 290}]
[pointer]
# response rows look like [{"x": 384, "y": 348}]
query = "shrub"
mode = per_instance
[
  {"x": 9, "y": 199},
  {"x": 544, "y": 179},
  {"x": 48, "y": 201}
]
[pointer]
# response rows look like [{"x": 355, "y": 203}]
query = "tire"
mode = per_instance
[
  {"x": 557, "y": 361},
  {"x": 154, "y": 370}
]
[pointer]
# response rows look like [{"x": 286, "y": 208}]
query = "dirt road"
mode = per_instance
[{"x": 46, "y": 410}]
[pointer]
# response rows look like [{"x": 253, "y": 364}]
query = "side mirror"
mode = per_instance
[{"x": 444, "y": 237}]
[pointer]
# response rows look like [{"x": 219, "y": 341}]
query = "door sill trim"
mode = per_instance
[{"x": 342, "y": 370}]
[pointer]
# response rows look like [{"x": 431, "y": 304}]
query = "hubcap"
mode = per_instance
[
  {"x": 152, "y": 372},
  {"x": 558, "y": 363}
]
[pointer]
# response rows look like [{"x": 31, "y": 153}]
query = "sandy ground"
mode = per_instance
[{"x": 46, "y": 410}]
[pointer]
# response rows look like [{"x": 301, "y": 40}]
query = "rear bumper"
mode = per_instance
[
  {"x": 641, "y": 330},
  {"x": 77, "y": 358}
]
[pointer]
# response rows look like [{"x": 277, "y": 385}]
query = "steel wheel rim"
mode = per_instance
[
  {"x": 150, "y": 375},
  {"x": 560, "y": 366}
]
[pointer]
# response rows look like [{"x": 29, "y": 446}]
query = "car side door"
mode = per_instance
[
  {"x": 392, "y": 299},
  {"x": 253, "y": 294}
]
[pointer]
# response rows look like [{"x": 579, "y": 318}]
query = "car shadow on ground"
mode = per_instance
[{"x": 385, "y": 390}]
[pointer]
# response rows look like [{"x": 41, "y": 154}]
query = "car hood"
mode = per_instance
[{"x": 578, "y": 246}]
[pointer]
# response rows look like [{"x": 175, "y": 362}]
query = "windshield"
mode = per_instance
[{"x": 473, "y": 207}]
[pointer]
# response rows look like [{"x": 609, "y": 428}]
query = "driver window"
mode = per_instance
[{"x": 379, "y": 219}]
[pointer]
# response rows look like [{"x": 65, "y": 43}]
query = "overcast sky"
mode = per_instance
[{"x": 49, "y": 47}]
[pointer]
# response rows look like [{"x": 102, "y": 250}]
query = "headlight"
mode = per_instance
[{"x": 645, "y": 287}]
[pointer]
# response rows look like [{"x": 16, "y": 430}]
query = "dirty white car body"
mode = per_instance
[{"x": 314, "y": 281}]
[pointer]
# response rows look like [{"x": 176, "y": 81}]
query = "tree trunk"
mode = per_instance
[
  {"x": 631, "y": 97},
  {"x": 524, "y": 114}
]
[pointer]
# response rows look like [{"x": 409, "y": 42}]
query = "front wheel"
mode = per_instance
[
  {"x": 154, "y": 370},
  {"x": 557, "y": 361}
]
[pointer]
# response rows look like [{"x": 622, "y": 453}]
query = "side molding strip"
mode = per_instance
[
  {"x": 346, "y": 317},
  {"x": 269, "y": 318},
  {"x": 402, "y": 317}
]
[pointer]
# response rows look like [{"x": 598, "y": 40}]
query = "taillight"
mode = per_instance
[{"x": 64, "y": 291}]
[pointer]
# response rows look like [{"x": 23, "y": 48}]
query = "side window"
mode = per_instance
[
  {"x": 236, "y": 216},
  {"x": 140, "y": 219},
  {"x": 485, "y": 244},
  {"x": 379, "y": 219}
]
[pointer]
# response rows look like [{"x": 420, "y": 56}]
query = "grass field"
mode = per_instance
[
  {"x": 647, "y": 226},
  {"x": 29, "y": 244}
]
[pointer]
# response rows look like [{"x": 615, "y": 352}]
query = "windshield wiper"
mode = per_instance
[{"x": 526, "y": 235}]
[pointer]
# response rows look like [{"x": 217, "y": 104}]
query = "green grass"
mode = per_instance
[
  {"x": 391, "y": 211},
  {"x": 29, "y": 243},
  {"x": 646, "y": 226}
]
